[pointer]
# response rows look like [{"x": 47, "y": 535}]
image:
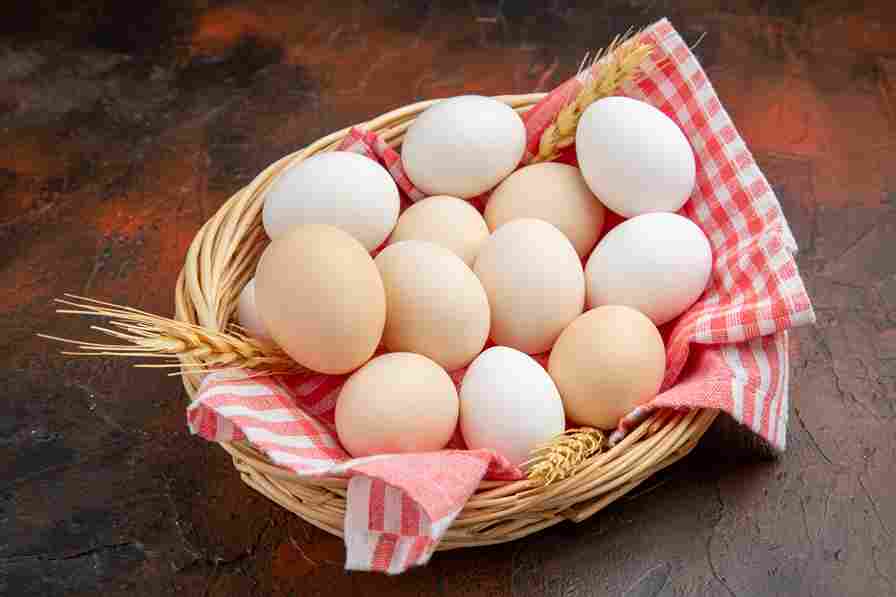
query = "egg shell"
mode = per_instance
[
  {"x": 634, "y": 157},
  {"x": 446, "y": 221},
  {"x": 534, "y": 282},
  {"x": 656, "y": 263},
  {"x": 338, "y": 188},
  {"x": 320, "y": 295},
  {"x": 435, "y": 305},
  {"x": 247, "y": 313},
  {"x": 555, "y": 193},
  {"x": 398, "y": 402},
  {"x": 508, "y": 403},
  {"x": 607, "y": 362},
  {"x": 463, "y": 146}
]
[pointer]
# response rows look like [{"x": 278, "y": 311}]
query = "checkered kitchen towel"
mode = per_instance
[{"x": 728, "y": 351}]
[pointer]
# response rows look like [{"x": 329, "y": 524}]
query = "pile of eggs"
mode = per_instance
[{"x": 570, "y": 319}]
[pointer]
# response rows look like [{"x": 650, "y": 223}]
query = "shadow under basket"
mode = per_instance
[{"x": 222, "y": 258}]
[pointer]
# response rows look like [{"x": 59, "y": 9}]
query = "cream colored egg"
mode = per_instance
[
  {"x": 634, "y": 157},
  {"x": 247, "y": 313},
  {"x": 534, "y": 281},
  {"x": 398, "y": 402},
  {"x": 555, "y": 193},
  {"x": 320, "y": 295},
  {"x": 446, "y": 221},
  {"x": 338, "y": 188},
  {"x": 509, "y": 404},
  {"x": 607, "y": 362},
  {"x": 463, "y": 146},
  {"x": 435, "y": 305}
]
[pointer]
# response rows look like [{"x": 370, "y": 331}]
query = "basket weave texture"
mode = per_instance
[{"x": 222, "y": 259}]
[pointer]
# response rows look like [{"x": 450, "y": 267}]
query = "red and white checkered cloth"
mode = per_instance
[{"x": 728, "y": 351}]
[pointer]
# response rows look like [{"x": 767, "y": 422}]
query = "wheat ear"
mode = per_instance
[
  {"x": 149, "y": 336},
  {"x": 560, "y": 457},
  {"x": 619, "y": 62}
]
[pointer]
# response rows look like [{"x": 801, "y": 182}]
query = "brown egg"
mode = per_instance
[
  {"x": 321, "y": 298},
  {"x": 534, "y": 281},
  {"x": 435, "y": 305},
  {"x": 607, "y": 362},
  {"x": 446, "y": 221},
  {"x": 555, "y": 193},
  {"x": 398, "y": 402}
]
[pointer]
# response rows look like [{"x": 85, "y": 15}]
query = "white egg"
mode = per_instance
[
  {"x": 634, "y": 157},
  {"x": 463, "y": 146},
  {"x": 247, "y": 313},
  {"x": 509, "y": 403},
  {"x": 338, "y": 188},
  {"x": 657, "y": 263}
]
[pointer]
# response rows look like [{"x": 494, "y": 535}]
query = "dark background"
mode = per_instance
[{"x": 124, "y": 124}]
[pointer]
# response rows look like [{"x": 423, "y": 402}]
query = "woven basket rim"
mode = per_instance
[{"x": 221, "y": 260}]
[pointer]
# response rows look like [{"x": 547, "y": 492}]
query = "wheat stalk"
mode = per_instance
[
  {"x": 560, "y": 457},
  {"x": 149, "y": 336},
  {"x": 619, "y": 62}
]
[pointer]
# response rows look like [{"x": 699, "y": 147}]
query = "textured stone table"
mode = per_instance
[{"x": 123, "y": 125}]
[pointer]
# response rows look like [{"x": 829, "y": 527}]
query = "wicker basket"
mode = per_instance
[{"x": 221, "y": 260}]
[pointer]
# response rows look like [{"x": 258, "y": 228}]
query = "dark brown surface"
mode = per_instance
[{"x": 124, "y": 124}]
